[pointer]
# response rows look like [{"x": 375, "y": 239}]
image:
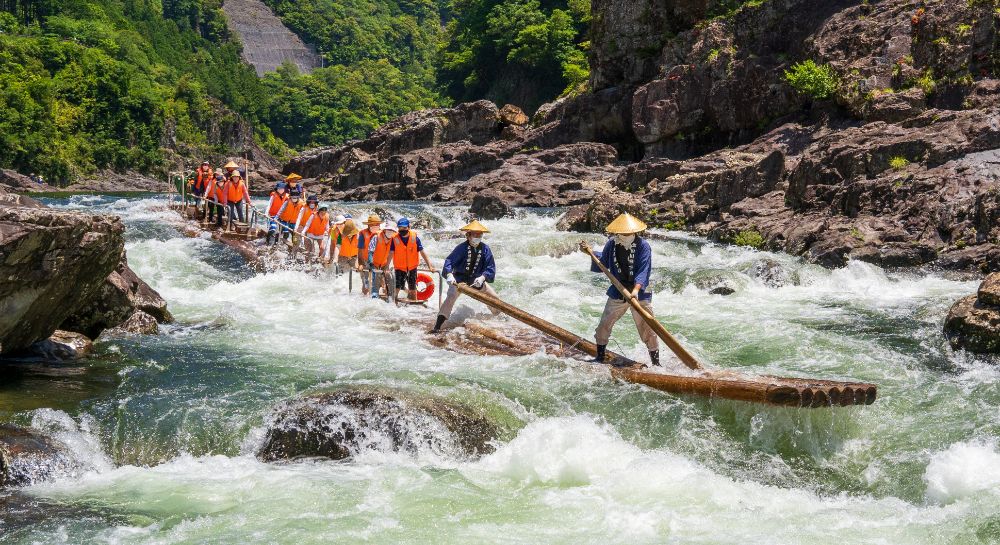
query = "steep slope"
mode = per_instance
[{"x": 267, "y": 43}]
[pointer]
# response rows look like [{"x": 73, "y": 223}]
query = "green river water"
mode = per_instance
[{"x": 164, "y": 428}]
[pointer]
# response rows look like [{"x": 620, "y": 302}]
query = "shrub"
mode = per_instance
[
  {"x": 750, "y": 238},
  {"x": 809, "y": 78},
  {"x": 899, "y": 162}
]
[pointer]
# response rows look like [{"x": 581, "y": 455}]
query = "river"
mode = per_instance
[{"x": 164, "y": 427}]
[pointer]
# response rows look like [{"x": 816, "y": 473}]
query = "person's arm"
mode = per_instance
[
  {"x": 643, "y": 266},
  {"x": 269, "y": 203},
  {"x": 604, "y": 256},
  {"x": 280, "y": 210},
  {"x": 298, "y": 220},
  {"x": 246, "y": 193},
  {"x": 490, "y": 268},
  {"x": 305, "y": 227}
]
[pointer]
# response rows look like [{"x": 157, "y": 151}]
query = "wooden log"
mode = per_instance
[
  {"x": 781, "y": 391},
  {"x": 686, "y": 357}
]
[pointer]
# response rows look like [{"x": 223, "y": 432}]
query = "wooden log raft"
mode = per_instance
[
  {"x": 782, "y": 391},
  {"x": 241, "y": 243}
]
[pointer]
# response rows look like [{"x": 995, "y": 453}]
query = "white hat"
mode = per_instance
[
  {"x": 339, "y": 219},
  {"x": 389, "y": 226}
]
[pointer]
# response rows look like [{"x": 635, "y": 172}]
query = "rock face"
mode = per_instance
[
  {"x": 27, "y": 456},
  {"x": 51, "y": 262},
  {"x": 341, "y": 424},
  {"x": 124, "y": 299},
  {"x": 973, "y": 323},
  {"x": 63, "y": 346}
]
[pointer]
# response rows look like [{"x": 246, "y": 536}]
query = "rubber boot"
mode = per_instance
[
  {"x": 654, "y": 357},
  {"x": 437, "y": 325},
  {"x": 270, "y": 238},
  {"x": 602, "y": 350}
]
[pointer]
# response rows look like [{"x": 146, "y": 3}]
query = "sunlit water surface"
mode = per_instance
[{"x": 165, "y": 427}]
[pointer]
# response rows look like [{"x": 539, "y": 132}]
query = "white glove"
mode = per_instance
[
  {"x": 478, "y": 283},
  {"x": 451, "y": 279}
]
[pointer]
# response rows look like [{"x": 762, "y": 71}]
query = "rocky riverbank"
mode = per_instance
[{"x": 699, "y": 128}]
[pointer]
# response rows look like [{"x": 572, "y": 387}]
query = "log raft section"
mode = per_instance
[{"x": 769, "y": 390}]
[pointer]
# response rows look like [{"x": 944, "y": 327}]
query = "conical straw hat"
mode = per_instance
[
  {"x": 293, "y": 177},
  {"x": 626, "y": 224},
  {"x": 475, "y": 227},
  {"x": 231, "y": 164}
]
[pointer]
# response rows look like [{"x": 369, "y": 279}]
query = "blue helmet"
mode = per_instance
[{"x": 402, "y": 222}]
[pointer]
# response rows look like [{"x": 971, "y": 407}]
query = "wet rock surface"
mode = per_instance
[
  {"x": 341, "y": 424},
  {"x": 973, "y": 323},
  {"x": 28, "y": 456},
  {"x": 62, "y": 346}
]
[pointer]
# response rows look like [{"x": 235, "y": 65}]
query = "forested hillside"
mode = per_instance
[{"x": 130, "y": 84}]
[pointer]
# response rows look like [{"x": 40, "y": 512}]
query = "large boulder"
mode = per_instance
[
  {"x": 973, "y": 323},
  {"x": 122, "y": 296},
  {"x": 340, "y": 424},
  {"x": 62, "y": 346},
  {"x": 51, "y": 263}
]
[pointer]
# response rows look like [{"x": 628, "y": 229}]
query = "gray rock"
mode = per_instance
[
  {"x": 989, "y": 290},
  {"x": 28, "y": 456},
  {"x": 973, "y": 326}
]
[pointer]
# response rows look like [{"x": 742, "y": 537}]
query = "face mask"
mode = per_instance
[
  {"x": 312, "y": 206},
  {"x": 404, "y": 231},
  {"x": 624, "y": 240},
  {"x": 474, "y": 241}
]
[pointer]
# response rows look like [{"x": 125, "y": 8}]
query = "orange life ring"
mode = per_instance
[{"x": 425, "y": 286}]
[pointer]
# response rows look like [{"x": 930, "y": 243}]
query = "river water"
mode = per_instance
[{"x": 164, "y": 428}]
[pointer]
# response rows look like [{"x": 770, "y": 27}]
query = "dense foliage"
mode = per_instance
[
  {"x": 91, "y": 84},
  {"x": 809, "y": 78},
  {"x": 522, "y": 51}
]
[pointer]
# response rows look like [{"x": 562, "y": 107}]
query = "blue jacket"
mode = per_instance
[
  {"x": 457, "y": 261},
  {"x": 643, "y": 267}
]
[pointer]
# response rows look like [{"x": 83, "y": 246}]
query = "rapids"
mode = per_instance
[{"x": 165, "y": 427}]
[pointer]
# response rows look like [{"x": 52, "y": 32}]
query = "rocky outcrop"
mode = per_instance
[
  {"x": 28, "y": 456},
  {"x": 973, "y": 323},
  {"x": 340, "y": 424},
  {"x": 124, "y": 300},
  {"x": 51, "y": 262},
  {"x": 62, "y": 346},
  {"x": 12, "y": 181}
]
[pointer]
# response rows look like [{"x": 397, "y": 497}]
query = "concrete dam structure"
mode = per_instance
[{"x": 267, "y": 42}]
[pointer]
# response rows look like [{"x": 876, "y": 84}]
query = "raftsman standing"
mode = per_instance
[
  {"x": 629, "y": 258},
  {"x": 471, "y": 262}
]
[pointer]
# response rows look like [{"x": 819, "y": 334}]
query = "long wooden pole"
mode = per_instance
[
  {"x": 657, "y": 327},
  {"x": 550, "y": 329}
]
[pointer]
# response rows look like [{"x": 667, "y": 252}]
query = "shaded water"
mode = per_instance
[{"x": 166, "y": 426}]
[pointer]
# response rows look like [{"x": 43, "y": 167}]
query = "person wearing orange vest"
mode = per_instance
[
  {"x": 335, "y": 229},
  {"x": 198, "y": 182},
  {"x": 289, "y": 213},
  {"x": 345, "y": 253},
  {"x": 365, "y": 239},
  {"x": 294, "y": 184},
  {"x": 378, "y": 259},
  {"x": 278, "y": 198},
  {"x": 316, "y": 232},
  {"x": 215, "y": 198},
  {"x": 236, "y": 195},
  {"x": 406, "y": 251}
]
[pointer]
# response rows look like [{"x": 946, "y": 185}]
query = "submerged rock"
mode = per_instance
[
  {"x": 973, "y": 323},
  {"x": 28, "y": 456},
  {"x": 62, "y": 346},
  {"x": 340, "y": 424},
  {"x": 770, "y": 273}
]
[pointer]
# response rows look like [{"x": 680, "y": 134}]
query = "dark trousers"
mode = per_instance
[
  {"x": 214, "y": 209},
  {"x": 238, "y": 207},
  {"x": 406, "y": 277}
]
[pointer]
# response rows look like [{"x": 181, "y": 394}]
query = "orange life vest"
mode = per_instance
[
  {"x": 291, "y": 212},
  {"x": 348, "y": 246},
  {"x": 235, "y": 191},
  {"x": 306, "y": 214},
  {"x": 366, "y": 237},
  {"x": 276, "y": 203},
  {"x": 381, "y": 257},
  {"x": 216, "y": 191},
  {"x": 201, "y": 182},
  {"x": 405, "y": 257},
  {"x": 318, "y": 226}
]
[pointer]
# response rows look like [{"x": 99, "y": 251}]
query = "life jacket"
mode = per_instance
[
  {"x": 291, "y": 212},
  {"x": 276, "y": 202},
  {"x": 405, "y": 257},
  {"x": 235, "y": 191},
  {"x": 381, "y": 257},
  {"x": 348, "y": 246},
  {"x": 201, "y": 181},
  {"x": 306, "y": 214},
  {"x": 366, "y": 238},
  {"x": 318, "y": 226},
  {"x": 215, "y": 191}
]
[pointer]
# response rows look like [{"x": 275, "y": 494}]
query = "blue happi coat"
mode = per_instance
[
  {"x": 458, "y": 260},
  {"x": 642, "y": 267}
]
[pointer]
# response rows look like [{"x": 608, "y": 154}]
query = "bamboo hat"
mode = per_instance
[
  {"x": 231, "y": 164},
  {"x": 374, "y": 220},
  {"x": 626, "y": 224},
  {"x": 293, "y": 177},
  {"x": 350, "y": 229},
  {"x": 475, "y": 227}
]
